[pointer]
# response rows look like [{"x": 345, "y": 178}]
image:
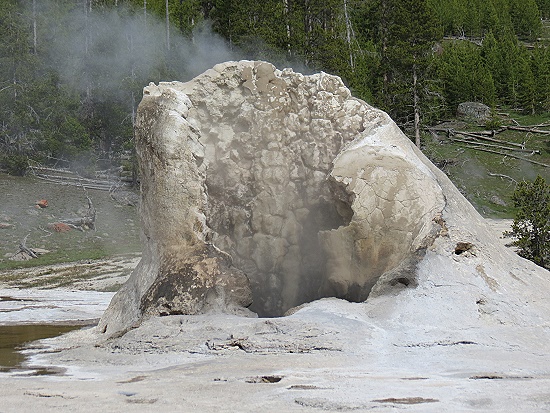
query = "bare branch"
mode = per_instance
[
  {"x": 510, "y": 155},
  {"x": 503, "y": 176}
]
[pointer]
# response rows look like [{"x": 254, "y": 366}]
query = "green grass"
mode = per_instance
[
  {"x": 111, "y": 289},
  {"x": 65, "y": 275},
  {"x": 85, "y": 251},
  {"x": 527, "y": 120},
  {"x": 55, "y": 258},
  {"x": 469, "y": 169}
]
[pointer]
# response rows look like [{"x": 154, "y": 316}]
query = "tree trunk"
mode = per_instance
[
  {"x": 180, "y": 16},
  {"x": 87, "y": 39},
  {"x": 23, "y": 248},
  {"x": 486, "y": 138},
  {"x": 528, "y": 129},
  {"x": 87, "y": 221},
  {"x": 288, "y": 32},
  {"x": 471, "y": 142},
  {"x": 133, "y": 75},
  {"x": 307, "y": 31},
  {"x": 349, "y": 35},
  {"x": 167, "y": 26},
  {"x": 416, "y": 103},
  {"x": 384, "y": 40},
  {"x": 511, "y": 156},
  {"x": 34, "y": 34}
]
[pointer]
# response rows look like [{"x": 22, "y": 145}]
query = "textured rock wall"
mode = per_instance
[
  {"x": 269, "y": 145},
  {"x": 397, "y": 203},
  {"x": 286, "y": 180}
]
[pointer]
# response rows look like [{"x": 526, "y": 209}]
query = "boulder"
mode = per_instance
[
  {"x": 266, "y": 189},
  {"x": 473, "y": 111}
]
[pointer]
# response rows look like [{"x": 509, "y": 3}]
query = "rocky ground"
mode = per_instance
[
  {"x": 331, "y": 355},
  {"x": 339, "y": 361}
]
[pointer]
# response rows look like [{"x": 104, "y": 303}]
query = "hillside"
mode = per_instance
[
  {"x": 72, "y": 73},
  {"x": 486, "y": 171},
  {"x": 116, "y": 232}
]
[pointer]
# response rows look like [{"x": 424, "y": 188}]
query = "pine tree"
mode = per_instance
[
  {"x": 518, "y": 86},
  {"x": 540, "y": 66},
  {"x": 526, "y": 86},
  {"x": 465, "y": 76},
  {"x": 472, "y": 19},
  {"x": 407, "y": 33},
  {"x": 504, "y": 25},
  {"x": 531, "y": 225},
  {"x": 489, "y": 17},
  {"x": 502, "y": 58},
  {"x": 544, "y": 8},
  {"x": 187, "y": 15},
  {"x": 490, "y": 52},
  {"x": 525, "y": 17},
  {"x": 17, "y": 74}
]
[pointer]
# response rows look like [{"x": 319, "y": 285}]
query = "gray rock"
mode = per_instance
[
  {"x": 495, "y": 199},
  {"x": 473, "y": 111}
]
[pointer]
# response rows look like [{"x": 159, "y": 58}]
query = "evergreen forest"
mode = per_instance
[{"x": 72, "y": 71}]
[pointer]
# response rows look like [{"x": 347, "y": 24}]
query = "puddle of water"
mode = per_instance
[{"x": 13, "y": 339}]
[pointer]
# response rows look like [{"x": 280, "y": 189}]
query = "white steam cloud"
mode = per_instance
[{"x": 111, "y": 50}]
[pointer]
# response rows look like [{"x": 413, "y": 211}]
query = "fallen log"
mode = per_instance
[
  {"x": 85, "y": 222},
  {"x": 79, "y": 223},
  {"x": 26, "y": 253},
  {"x": 77, "y": 180},
  {"x": 99, "y": 186},
  {"x": 495, "y": 146},
  {"x": 23, "y": 247},
  {"x": 509, "y": 155},
  {"x": 103, "y": 181},
  {"x": 528, "y": 129},
  {"x": 55, "y": 170},
  {"x": 503, "y": 176},
  {"x": 453, "y": 131},
  {"x": 485, "y": 138}
]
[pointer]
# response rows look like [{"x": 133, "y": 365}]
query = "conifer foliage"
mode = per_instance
[
  {"x": 406, "y": 32},
  {"x": 72, "y": 71},
  {"x": 531, "y": 226}
]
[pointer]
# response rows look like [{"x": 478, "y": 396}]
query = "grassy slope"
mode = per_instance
[
  {"x": 117, "y": 229},
  {"x": 469, "y": 169}
]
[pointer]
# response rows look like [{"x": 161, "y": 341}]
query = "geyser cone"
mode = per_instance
[{"x": 274, "y": 181}]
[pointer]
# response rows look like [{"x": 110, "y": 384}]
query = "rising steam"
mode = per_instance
[{"x": 110, "y": 50}]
